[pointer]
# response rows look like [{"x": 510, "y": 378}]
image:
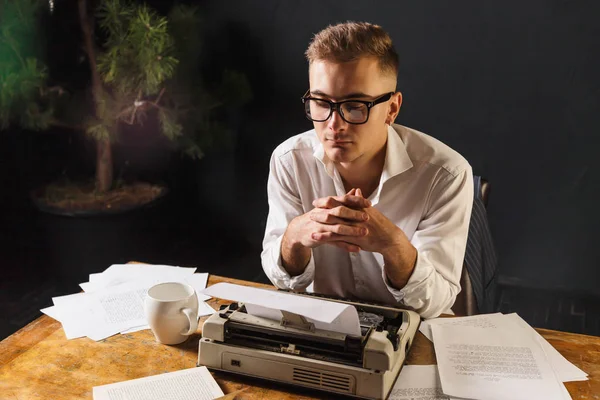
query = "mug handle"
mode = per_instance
[{"x": 189, "y": 313}]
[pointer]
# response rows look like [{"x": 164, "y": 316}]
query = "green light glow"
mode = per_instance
[{"x": 22, "y": 76}]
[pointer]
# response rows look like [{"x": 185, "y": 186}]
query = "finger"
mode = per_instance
[
  {"x": 327, "y": 217},
  {"x": 348, "y": 230},
  {"x": 335, "y": 240},
  {"x": 359, "y": 192},
  {"x": 349, "y": 214},
  {"x": 333, "y": 232},
  {"x": 351, "y": 248},
  {"x": 354, "y": 201},
  {"x": 346, "y": 200},
  {"x": 328, "y": 202},
  {"x": 352, "y": 192}
]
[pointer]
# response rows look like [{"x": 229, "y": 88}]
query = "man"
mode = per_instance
[{"x": 360, "y": 207}]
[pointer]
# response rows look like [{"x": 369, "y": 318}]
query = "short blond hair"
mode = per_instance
[{"x": 350, "y": 41}]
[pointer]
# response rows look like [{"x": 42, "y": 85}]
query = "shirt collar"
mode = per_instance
[{"x": 400, "y": 160}]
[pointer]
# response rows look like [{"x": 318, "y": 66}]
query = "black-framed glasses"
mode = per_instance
[{"x": 352, "y": 111}]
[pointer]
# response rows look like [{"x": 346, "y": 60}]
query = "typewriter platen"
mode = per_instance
[{"x": 293, "y": 351}]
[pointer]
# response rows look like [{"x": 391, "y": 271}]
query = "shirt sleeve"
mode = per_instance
[
  {"x": 284, "y": 205},
  {"x": 440, "y": 240}
]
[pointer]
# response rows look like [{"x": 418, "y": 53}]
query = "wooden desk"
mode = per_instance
[{"x": 38, "y": 362}]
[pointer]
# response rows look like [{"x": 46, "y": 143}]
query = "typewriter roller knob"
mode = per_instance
[{"x": 233, "y": 306}]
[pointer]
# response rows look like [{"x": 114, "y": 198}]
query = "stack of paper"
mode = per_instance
[
  {"x": 113, "y": 301},
  {"x": 489, "y": 356}
]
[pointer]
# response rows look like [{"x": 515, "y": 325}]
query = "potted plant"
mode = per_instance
[{"x": 144, "y": 74}]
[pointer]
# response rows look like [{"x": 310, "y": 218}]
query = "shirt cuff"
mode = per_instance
[
  {"x": 411, "y": 295},
  {"x": 298, "y": 282},
  {"x": 397, "y": 293}
]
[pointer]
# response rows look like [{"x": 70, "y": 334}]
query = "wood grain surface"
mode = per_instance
[{"x": 38, "y": 362}]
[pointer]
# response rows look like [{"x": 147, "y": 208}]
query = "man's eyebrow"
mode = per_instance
[{"x": 355, "y": 95}]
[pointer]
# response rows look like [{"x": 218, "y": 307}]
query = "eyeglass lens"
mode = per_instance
[{"x": 353, "y": 112}]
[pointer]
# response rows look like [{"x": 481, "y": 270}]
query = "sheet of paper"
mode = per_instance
[
  {"x": 418, "y": 382},
  {"x": 197, "y": 281},
  {"x": 87, "y": 287},
  {"x": 564, "y": 369},
  {"x": 120, "y": 273},
  {"x": 188, "y": 384},
  {"x": 422, "y": 382},
  {"x": 205, "y": 309},
  {"x": 104, "y": 313},
  {"x": 337, "y": 325},
  {"x": 72, "y": 311},
  {"x": 119, "y": 269},
  {"x": 566, "y": 394},
  {"x": 479, "y": 321},
  {"x": 123, "y": 273},
  {"x": 52, "y": 312},
  {"x": 135, "y": 329},
  {"x": 338, "y": 317},
  {"x": 502, "y": 364}
]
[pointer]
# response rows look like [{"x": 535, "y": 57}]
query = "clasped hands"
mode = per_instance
[{"x": 348, "y": 222}]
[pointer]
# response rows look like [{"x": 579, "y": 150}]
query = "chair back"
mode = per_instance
[{"x": 465, "y": 303}]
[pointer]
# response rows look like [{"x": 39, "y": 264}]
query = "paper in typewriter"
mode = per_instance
[
  {"x": 502, "y": 364},
  {"x": 329, "y": 315}
]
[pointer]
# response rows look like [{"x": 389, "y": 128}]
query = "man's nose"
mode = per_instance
[{"x": 336, "y": 122}]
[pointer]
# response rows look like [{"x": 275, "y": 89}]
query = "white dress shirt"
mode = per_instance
[{"x": 426, "y": 189}]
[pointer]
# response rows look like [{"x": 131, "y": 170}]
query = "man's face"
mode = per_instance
[{"x": 356, "y": 80}]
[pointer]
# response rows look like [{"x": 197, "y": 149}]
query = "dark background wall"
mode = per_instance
[{"x": 513, "y": 86}]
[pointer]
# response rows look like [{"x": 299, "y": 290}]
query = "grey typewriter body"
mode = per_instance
[{"x": 292, "y": 351}]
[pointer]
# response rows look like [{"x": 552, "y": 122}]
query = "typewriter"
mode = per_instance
[{"x": 293, "y": 351}]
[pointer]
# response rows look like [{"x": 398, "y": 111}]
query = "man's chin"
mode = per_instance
[{"x": 341, "y": 155}]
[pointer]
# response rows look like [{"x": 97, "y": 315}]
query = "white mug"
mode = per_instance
[{"x": 171, "y": 311}]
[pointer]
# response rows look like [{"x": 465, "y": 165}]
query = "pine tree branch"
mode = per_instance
[
  {"x": 132, "y": 116},
  {"x": 139, "y": 104},
  {"x": 125, "y": 112},
  {"x": 159, "y": 96},
  {"x": 156, "y": 105}
]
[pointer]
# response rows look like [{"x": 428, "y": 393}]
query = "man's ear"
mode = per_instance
[{"x": 394, "y": 108}]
